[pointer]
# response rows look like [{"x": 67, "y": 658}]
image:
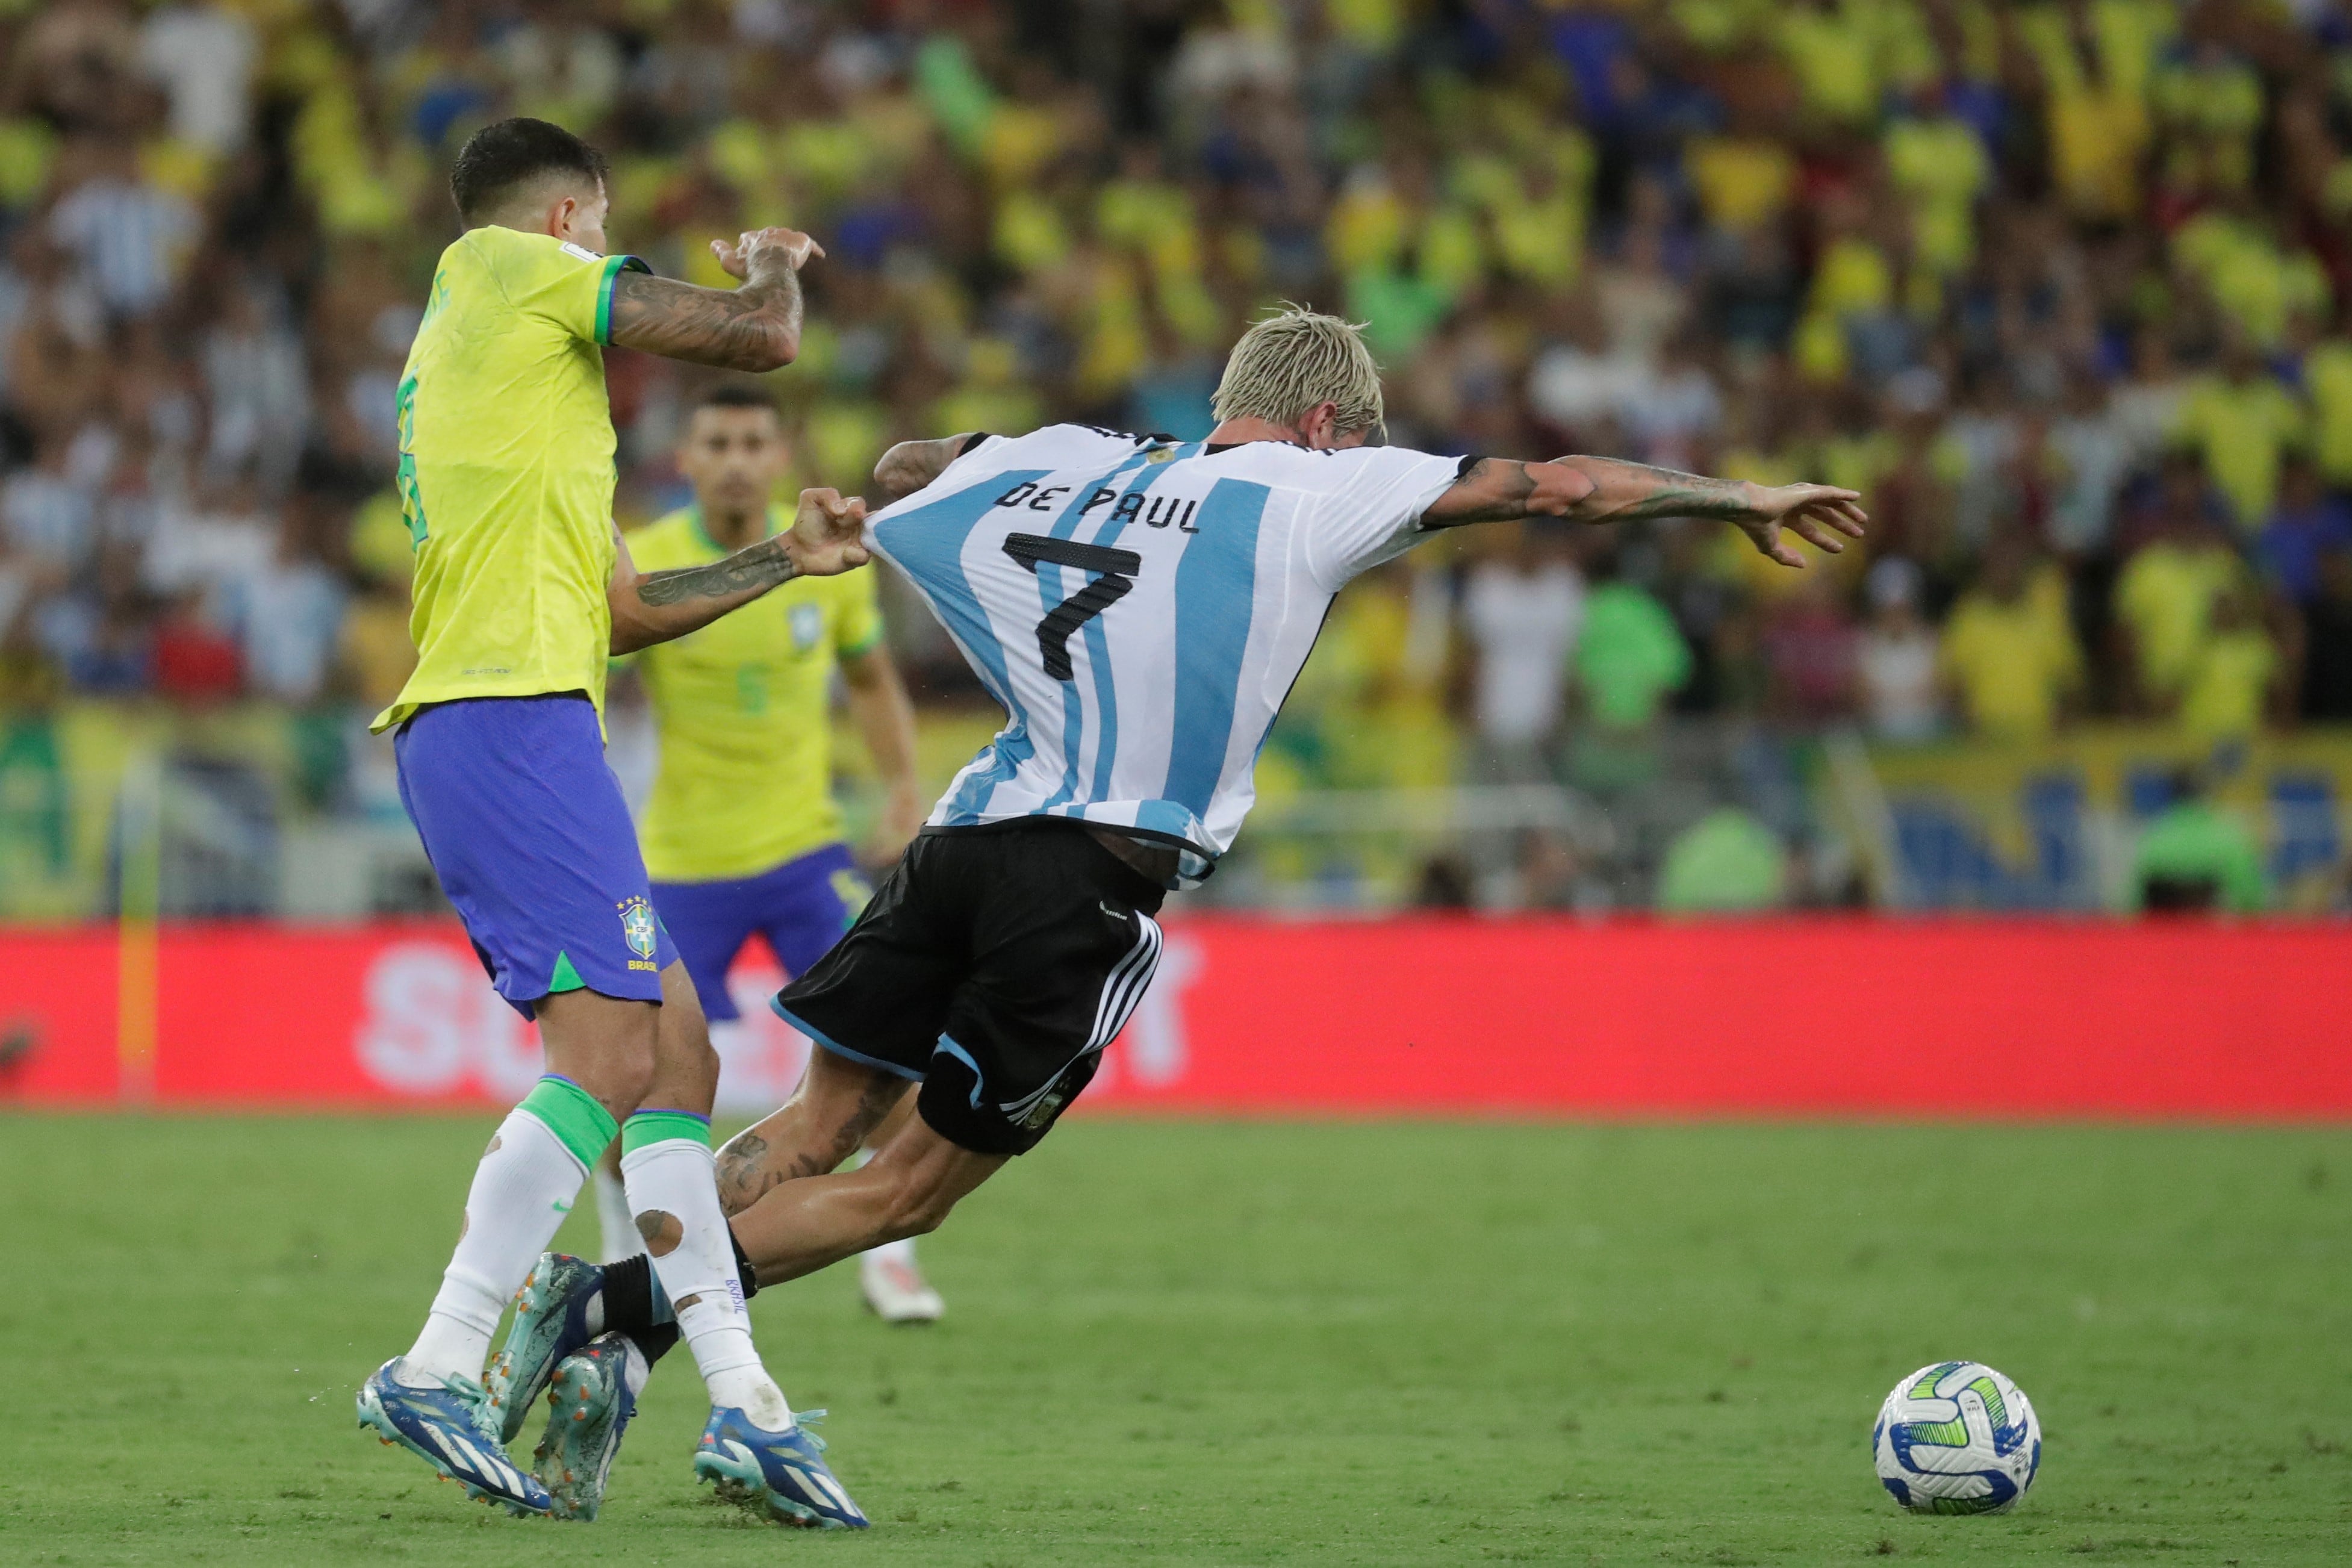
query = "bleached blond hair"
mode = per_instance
[{"x": 1294, "y": 359}]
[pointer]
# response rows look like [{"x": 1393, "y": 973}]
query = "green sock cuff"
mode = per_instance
[
  {"x": 572, "y": 1113},
  {"x": 661, "y": 1126}
]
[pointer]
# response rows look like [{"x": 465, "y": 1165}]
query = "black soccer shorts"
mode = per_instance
[{"x": 993, "y": 966}]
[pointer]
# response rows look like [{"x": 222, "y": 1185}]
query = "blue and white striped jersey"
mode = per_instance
[{"x": 1140, "y": 608}]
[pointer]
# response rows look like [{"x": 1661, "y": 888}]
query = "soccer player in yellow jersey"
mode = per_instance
[
  {"x": 742, "y": 835},
  {"x": 523, "y": 591}
]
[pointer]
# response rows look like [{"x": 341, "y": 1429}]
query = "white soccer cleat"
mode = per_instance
[{"x": 895, "y": 1289}]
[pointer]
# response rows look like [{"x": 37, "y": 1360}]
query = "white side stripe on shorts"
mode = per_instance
[
  {"x": 1125, "y": 987},
  {"x": 1126, "y": 983}
]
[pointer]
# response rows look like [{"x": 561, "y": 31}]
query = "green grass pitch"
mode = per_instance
[{"x": 1173, "y": 1342}]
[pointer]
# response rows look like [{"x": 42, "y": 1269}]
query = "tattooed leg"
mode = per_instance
[
  {"x": 836, "y": 1108},
  {"x": 793, "y": 1211}
]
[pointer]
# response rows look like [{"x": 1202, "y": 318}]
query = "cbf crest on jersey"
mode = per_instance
[
  {"x": 637, "y": 927},
  {"x": 808, "y": 626}
]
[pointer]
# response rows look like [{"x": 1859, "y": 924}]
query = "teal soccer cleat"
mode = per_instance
[
  {"x": 443, "y": 1425},
  {"x": 591, "y": 1403},
  {"x": 550, "y": 1321},
  {"x": 782, "y": 1472}
]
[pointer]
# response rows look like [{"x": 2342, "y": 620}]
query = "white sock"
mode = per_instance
[
  {"x": 634, "y": 1368},
  {"x": 676, "y": 1198},
  {"x": 613, "y": 1217},
  {"x": 720, "y": 1338},
  {"x": 521, "y": 1190}
]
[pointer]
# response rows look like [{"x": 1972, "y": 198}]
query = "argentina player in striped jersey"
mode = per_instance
[{"x": 1139, "y": 607}]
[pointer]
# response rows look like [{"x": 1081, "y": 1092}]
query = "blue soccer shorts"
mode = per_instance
[
  {"x": 526, "y": 827},
  {"x": 802, "y": 907}
]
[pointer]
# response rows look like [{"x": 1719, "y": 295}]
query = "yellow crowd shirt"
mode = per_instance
[
  {"x": 2011, "y": 664},
  {"x": 2327, "y": 376},
  {"x": 2244, "y": 430},
  {"x": 2165, "y": 594},
  {"x": 2223, "y": 697},
  {"x": 506, "y": 472},
  {"x": 741, "y": 708}
]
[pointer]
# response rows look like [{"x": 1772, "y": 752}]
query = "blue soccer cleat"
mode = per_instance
[
  {"x": 782, "y": 1472},
  {"x": 592, "y": 1404},
  {"x": 550, "y": 1321},
  {"x": 443, "y": 1425}
]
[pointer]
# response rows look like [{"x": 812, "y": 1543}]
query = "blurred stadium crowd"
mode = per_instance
[{"x": 2062, "y": 286}]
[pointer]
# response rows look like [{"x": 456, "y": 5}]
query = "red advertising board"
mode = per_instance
[{"x": 1421, "y": 1016}]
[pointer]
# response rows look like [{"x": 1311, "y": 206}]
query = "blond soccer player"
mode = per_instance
[
  {"x": 742, "y": 835},
  {"x": 1139, "y": 606}
]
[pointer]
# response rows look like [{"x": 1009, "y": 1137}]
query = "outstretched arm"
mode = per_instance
[
  {"x": 756, "y": 326},
  {"x": 827, "y": 536},
  {"x": 1604, "y": 489},
  {"x": 911, "y": 465}
]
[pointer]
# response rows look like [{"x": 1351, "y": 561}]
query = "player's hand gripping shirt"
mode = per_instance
[
  {"x": 745, "y": 781},
  {"x": 505, "y": 471},
  {"x": 1140, "y": 608}
]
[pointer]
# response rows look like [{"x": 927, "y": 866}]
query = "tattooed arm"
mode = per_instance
[
  {"x": 911, "y": 465},
  {"x": 1604, "y": 490},
  {"x": 827, "y": 536},
  {"x": 756, "y": 326}
]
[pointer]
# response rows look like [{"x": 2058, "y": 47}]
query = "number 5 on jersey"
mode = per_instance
[{"x": 1117, "y": 568}]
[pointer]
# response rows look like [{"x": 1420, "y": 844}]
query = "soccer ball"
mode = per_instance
[{"x": 1957, "y": 1437}]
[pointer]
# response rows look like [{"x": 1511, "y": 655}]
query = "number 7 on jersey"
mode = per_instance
[{"x": 1117, "y": 568}]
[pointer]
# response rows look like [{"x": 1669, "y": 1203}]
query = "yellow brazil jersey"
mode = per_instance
[
  {"x": 745, "y": 781},
  {"x": 506, "y": 472}
]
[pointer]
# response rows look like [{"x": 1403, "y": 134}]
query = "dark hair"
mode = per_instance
[
  {"x": 498, "y": 158},
  {"x": 734, "y": 394}
]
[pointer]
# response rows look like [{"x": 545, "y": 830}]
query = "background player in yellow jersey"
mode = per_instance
[
  {"x": 523, "y": 591},
  {"x": 742, "y": 835}
]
